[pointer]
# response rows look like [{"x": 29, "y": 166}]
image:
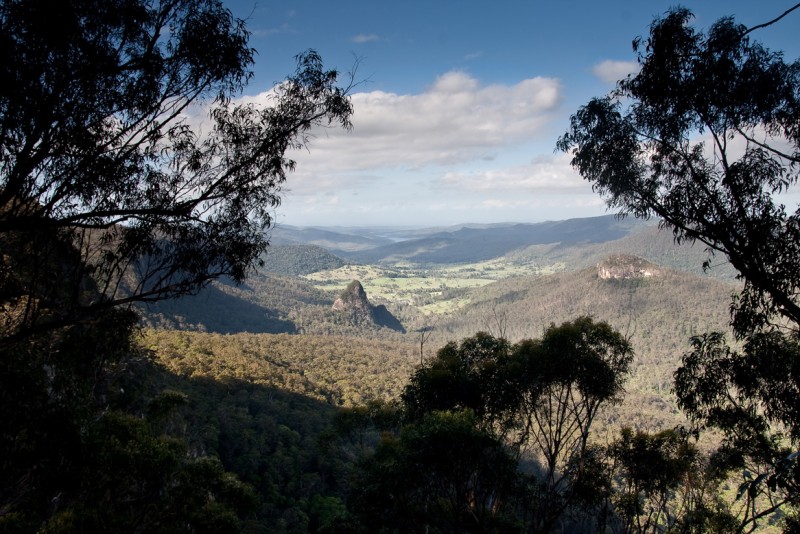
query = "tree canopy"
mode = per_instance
[
  {"x": 110, "y": 195},
  {"x": 104, "y": 184},
  {"x": 536, "y": 399},
  {"x": 704, "y": 137},
  {"x": 751, "y": 397}
]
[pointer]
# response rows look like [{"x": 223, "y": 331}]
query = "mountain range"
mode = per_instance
[
  {"x": 576, "y": 242},
  {"x": 526, "y": 277},
  {"x": 283, "y": 297}
]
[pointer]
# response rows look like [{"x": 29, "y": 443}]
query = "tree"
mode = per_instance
[
  {"x": 107, "y": 195},
  {"x": 441, "y": 474},
  {"x": 563, "y": 381},
  {"x": 77, "y": 457},
  {"x": 752, "y": 398},
  {"x": 704, "y": 137},
  {"x": 663, "y": 484},
  {"x": 470, "y": 375},
  {"x": 538, "y": 397}
]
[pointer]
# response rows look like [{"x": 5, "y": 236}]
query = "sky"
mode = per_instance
[{"x": 458, "y": 104}]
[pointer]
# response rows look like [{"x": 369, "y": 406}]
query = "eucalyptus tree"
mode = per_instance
[
  {"x": 540, "y": 398},
  {"x": 750, "y": 396},
  {"x": 705, "y": 137},
  {"x": 564, "y": 380},
  {"x": 107, "y": 194}
]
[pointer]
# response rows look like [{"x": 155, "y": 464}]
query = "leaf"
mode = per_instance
[{"x": 742, "y": 488}]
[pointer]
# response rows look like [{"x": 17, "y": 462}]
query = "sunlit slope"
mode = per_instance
[{"x": 659, "y": 314}]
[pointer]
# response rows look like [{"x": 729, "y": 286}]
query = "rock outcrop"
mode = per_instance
[
  {"x": 625, "y": 267},
  {"x": 353, "y": 300}
]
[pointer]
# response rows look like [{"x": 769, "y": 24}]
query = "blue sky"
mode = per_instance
[{"x": 460, "y": 103}]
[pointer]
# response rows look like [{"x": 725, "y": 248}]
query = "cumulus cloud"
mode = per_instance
[
  {"x": 364, "y": 38},
  {"x": 552, "y": 174},
  {"x": 611, "y": 71},
  {"x": 453, "y": 121},
  {"x": 407, "y": 152}
]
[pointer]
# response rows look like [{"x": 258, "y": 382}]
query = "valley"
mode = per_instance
[
  {"x": 534, "y": 283},
  {"x": 295, "y": 369},
  {"x": 176, "y": 357}
]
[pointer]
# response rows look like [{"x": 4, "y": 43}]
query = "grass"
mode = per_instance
[{"x": 433, "y": 290}]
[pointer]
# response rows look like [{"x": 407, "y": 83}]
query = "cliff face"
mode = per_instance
[
  {"x": 353, "y": 300},
  {"x": 624, "y": 266}
]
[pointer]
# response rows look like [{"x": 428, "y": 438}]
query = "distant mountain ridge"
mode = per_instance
[
  {"x": 333, "y": 240},
  {"x": 575, "y": 243},
  {"x": 277, "y": 299},
  {"x": 469, "y": 244},
  {"x": 299, "y": 260}
]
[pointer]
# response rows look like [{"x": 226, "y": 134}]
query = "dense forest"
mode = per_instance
[
  {"x": 361, "y": 373},
  {"x": 172, "y": 362}
]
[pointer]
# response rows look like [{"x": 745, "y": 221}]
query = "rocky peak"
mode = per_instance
[
  {"x": 353, "y": 300},
  {"x": 626, "y": 266}
]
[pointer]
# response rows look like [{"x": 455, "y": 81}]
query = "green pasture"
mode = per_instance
[
  {"x": 428, "y": 288},
  {"x": 393, "y": 285}
]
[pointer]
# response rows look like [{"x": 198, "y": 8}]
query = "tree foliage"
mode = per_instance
[
  {"x": 99, "y": 162},
  {"x": 704, "y": 137},
  {"x": 538, "y": 399},
  {"x": 109, "y": 195},
  {"x": 77, "y": 456},
  {"x": 752, "y": 398},
  {"x": 663, "y": 483},
  {"x": 565, "y": 378},
  {"x": 442, "y": 474},
  {"x": 466, "y": 376}
]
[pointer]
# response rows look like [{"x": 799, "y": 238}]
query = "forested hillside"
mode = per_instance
[
  {"x": 647, "y": 241},
  {"x": 171, "y": 361},
  {"x": 666, "y": 308},
  {"x": 658, "y": 314},
  {"x": 341, "y": 371},
  {"x": 297, "y": 260}
]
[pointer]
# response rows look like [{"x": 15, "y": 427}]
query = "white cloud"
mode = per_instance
[
  {"x": 551, "y": 174},
  {"x": 364, "y": 38},
  {"x": 612, "y": 71},
  {"x": 441, "y": 154},
  {"x": 455, "y": 120}
]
